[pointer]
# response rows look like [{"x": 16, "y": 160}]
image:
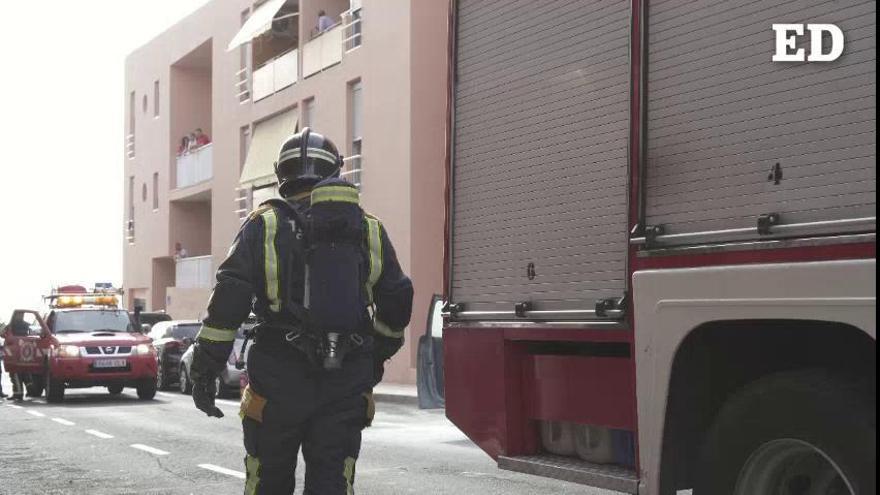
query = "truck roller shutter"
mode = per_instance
[
  {"x": 539, "y": 206},
  {"x": 721, "y": 115}
]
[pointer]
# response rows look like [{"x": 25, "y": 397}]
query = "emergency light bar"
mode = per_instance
[{"x": 76, "y": 298}]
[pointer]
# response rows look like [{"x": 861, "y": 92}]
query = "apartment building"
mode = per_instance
[{"x": 372, "y": 77}]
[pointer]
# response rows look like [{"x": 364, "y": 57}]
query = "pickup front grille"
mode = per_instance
[{"x": 108, "y": 350}]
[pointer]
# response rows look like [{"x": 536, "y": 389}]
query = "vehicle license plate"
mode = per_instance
[{"x": 110, "y": 363}]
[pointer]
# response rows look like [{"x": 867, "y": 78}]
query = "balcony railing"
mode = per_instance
[
  {"x": 275, "y": 75},
  {"x": 129, "y": 146},
  {"x": 351, "y": 26},
  {"x": 351, "y": 170},
  {"x": 323, "y": 51},
  {"x": 242, "y": 86},
  {"x": 196, "y": 166},
  {"x": 129, "y": 231},
  {"x": 194, "y": 273}
]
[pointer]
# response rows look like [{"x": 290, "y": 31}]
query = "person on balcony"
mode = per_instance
[
  {"x": 325, "y": 22},
  {"x": 202, "y": 139},
  {"x": 184, "y": 146},
  {"x": 179, "y": 252}
]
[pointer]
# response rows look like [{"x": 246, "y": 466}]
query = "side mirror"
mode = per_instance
[{"x": 145, "y": 328}]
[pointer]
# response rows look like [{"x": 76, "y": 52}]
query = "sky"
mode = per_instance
[{"x": 61, "y": 139}]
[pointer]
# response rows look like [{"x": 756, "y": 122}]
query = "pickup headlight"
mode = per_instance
[
  {"x": 143, "y": 349},
  {"x": 68, "y": 351}
]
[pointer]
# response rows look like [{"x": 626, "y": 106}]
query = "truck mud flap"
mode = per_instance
[{"x": 607, "y": 476}]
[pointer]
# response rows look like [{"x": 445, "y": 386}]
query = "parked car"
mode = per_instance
[
  {"x": 150, "y": 318},
  {"x": 229, "y": 379},
  {"x": 171, "y": 339}
]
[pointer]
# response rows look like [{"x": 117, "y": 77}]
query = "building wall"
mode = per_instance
[{"x": 401, "y": 66}]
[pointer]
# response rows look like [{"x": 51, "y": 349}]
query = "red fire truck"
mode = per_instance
[
  {"x": 661, "y": 257},
  {"x": 84, "y": 340}
]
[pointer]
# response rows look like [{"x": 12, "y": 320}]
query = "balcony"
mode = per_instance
[
  {"x": 275, "y": 75},
  {"x": 195, "y": 167},
  {"x": 194, "y": 273},
  {"x": 324, "y": 51}
]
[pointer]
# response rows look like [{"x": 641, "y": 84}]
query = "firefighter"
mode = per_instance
[{"x": 308, "y": 388}]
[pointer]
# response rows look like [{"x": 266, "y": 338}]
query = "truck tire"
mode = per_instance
[
  {"x": 35, "y": 386},
  {"x": 54, "y": 388},
  {"x": 806, "y": 431},
  {"x": 146, "y": 389}
]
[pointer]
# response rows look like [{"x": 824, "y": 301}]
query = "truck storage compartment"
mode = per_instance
[
  {"x": 733, "y": 138},
  {"x": 539, "y": 179}
]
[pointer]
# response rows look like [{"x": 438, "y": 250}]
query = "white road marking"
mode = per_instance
[
  {"x": 37, "y": 414},
  {"x": 147, "y": 448},
  {"x": 223, "y": 470},
  {"x": 99, "y": 434},
  {"x": 63, "y": 421},
  {"x": 166, "y": 394},
  {"x": 14, "y": 406},
  {"x": 228, "y": 402}
]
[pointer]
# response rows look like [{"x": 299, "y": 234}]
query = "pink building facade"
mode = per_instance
[{"x": 248, "y": 75}]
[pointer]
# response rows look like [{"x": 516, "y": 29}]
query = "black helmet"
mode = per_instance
[{"x": 305, "y": 159}]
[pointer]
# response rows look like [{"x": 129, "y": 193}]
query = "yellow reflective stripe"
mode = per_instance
[
  {"x": 383, "y": 329},
  {"x": 339, "y": 194},
  {"x": 270, "y": 222},
  {"x": 216, "y": 334},
  {"x": 374, "y": 241},
  {"x": 348, "y": 472},
  {"x": 252, "y": 467}
]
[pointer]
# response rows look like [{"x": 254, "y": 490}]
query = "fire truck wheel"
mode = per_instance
[
  {"x": 115, "y": 389},
  {"x": 35, "y": 386},
  {"x": 54, "y": 388},
  {"x": 795, "y": 432},
  {"x": 146, "y": 389}
]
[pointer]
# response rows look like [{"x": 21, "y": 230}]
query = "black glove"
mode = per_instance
[
  {"x": 203, "y": 393},
  {"x": 204, "y": 375}
]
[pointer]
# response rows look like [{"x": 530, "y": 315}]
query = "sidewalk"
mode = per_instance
[{"x": 396, "y": 393}]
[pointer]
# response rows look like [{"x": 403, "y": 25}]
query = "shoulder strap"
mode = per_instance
[
  {"x": 374, "y": 246},
  {"x": 270, "y": 258}
]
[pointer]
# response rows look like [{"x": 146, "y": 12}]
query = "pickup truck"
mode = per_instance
[{"x": 80, "y": 342}]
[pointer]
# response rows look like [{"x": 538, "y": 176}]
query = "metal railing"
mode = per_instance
[
  {"x": 351, "y": 29},
  {"x": 242, "y": 202},
  {"x": 196, "y": 166},
  {"x": 129, "y": 145},
  {"x": 193, "y": 273},
  {"x": 242, "y": 86},
  {"x": 351, "y": 170}
]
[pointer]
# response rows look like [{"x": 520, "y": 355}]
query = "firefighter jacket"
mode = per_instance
[{"x": 264, "y": 270}]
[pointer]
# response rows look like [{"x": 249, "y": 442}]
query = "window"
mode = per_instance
[
  {"x": 145, "y": 103},
  {"x": 155, "y": 190},
  {"x": 308, "y": 113},
  {"x": 156, "y": 98},
  {"x": 144, "y": 192}
]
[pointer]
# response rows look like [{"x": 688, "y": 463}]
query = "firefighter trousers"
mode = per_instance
[{"x": 290, "y": 404}]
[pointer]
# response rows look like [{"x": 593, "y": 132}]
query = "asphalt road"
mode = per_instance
[{"x": 97, "y": 444}]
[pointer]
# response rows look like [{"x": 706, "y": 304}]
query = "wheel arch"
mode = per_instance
[{"x": 718, "y": 358}]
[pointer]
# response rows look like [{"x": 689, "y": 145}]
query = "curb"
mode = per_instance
[{"x": 407, "y": 400}]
